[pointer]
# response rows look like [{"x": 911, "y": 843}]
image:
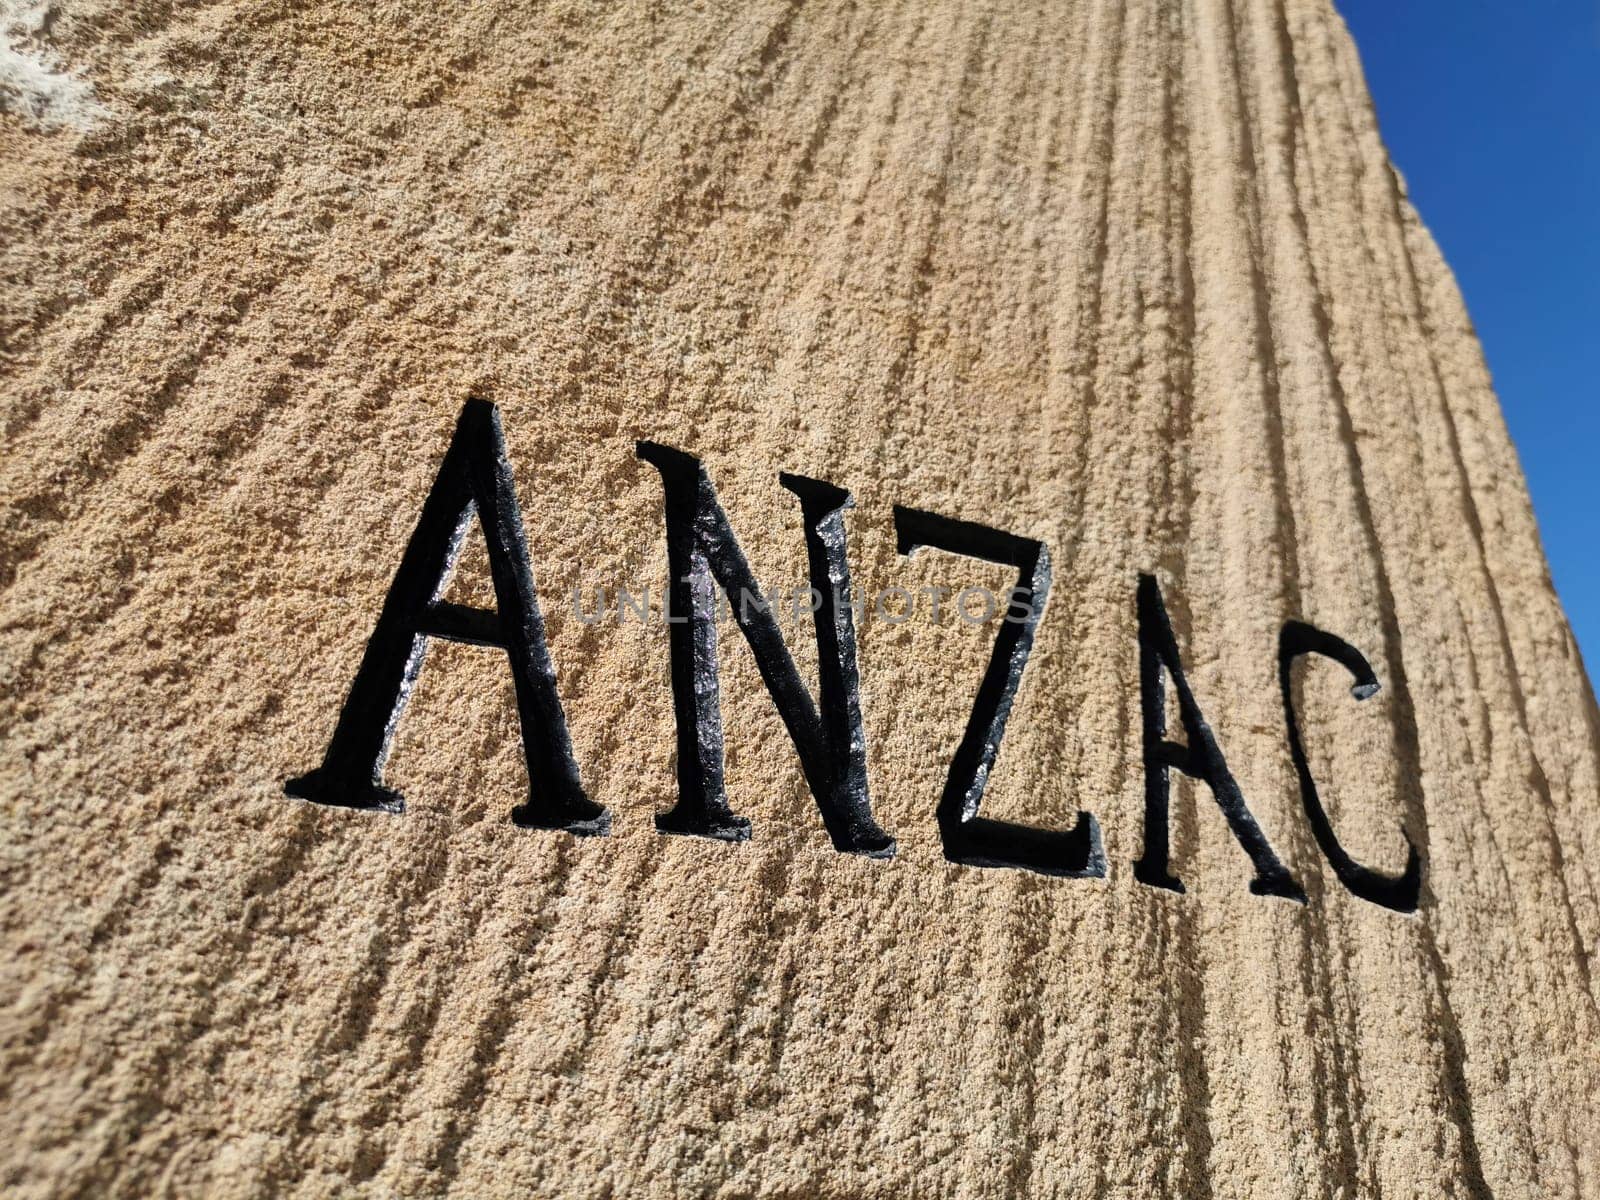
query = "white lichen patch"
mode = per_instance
[{"x": 32, "y": 85}]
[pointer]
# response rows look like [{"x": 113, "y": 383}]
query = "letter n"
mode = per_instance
[
  {"x": 474, "y": 477},
  {"x": 1200, "y": 759},
  {"x": 831, "y": 742}
]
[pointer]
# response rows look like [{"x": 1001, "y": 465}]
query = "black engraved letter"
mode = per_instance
[
  {"x": 474, "y": 476},
  {"x": 968, "y": 838},
  {"x": 1200, "y": 759},
  {"x": 1398, "y": 892},
  {"x": 701, "y": 549}
]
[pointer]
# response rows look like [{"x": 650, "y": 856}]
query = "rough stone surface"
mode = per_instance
[{"x": 1134, "y": 278}]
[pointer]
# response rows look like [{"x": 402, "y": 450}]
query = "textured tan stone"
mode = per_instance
[{"x": 1130, "y": 277}]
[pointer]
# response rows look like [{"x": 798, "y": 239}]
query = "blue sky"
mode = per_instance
[{"x": 1492, "y": 113}]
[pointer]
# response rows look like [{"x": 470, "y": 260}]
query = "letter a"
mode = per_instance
[
  {"x": 474, "y": 477},
  {"x": 1200, "y": 759}
]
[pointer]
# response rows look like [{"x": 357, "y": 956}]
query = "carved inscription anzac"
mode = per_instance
[{"x": 703, "y": 555}]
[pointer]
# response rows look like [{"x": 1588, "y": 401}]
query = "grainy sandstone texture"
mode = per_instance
[{"x": 1133, "y": 278}]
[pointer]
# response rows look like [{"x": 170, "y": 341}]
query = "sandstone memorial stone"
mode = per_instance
[{"x": 797, "y": 600}]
